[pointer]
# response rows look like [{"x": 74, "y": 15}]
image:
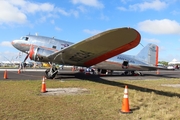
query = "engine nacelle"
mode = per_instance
[{"x": 40, "y": 54}]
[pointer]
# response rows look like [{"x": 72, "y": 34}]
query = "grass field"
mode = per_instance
[{"x": 148, "y": 100}]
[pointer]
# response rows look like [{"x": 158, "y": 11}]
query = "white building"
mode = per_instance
[{"x": 174, "y": 62}]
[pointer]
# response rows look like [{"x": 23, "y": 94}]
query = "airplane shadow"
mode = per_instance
[
  {"x": 162, "y": 76},
  {"x": 99, "y": 79}
]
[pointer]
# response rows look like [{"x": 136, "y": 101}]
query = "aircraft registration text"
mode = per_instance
[{"x": 80, "y": 55}]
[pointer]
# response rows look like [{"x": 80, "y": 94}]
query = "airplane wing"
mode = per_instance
[{"x": 98, "y": 48}]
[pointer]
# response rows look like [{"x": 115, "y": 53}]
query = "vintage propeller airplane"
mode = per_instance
[{"x": 89, "y": 52}]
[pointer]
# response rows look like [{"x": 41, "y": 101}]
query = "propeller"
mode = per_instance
[
  {"x": 26, "y": 57},
  {"x": 30, "y": 55}
]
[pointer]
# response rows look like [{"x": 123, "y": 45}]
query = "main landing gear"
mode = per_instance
[
  {"x": 51, "y": 72},
  {"x": 132, "y": 73}
]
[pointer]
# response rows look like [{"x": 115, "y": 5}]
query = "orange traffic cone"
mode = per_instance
[
  {"x": 125, "y": 104},
  {"x": 19, "y": 71},
  {"x": 43, "y": 88},
  {"x": 157, "y": 72},
  {"x": 73, "y": 68},
  {"x": 5, "y": 74}
]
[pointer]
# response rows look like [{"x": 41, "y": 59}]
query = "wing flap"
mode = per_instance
[{"x": 98, "y": 48}]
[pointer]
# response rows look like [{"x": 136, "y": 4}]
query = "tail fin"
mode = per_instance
[{"x": 149, "y": 54}]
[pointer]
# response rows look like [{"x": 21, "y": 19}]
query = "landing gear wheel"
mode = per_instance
[
  {"x": 111, "y": 72},
  {"x": 126, "y": 73},
  {"x": 51, "y": 73},
  {"x": 140, "y": 73},
  {"x": 133, "y": 73}
]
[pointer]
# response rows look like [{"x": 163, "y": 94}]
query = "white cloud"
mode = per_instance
[
  {"x": 58, "y": 29},
  {"x": 31, "y": 7},
  {"x": 52, "y": 22},
  {"x": 92, "y": 3},
  {"x": 124, "y": 1},
  {"x": 74, "y": 13},
  {"x": 104, "y": 17},
  {"x": 18, "y": 11},
  {"x": 122, "y": 8},
  {"x": 65, "y": 13},
  {"x": 82, "y": 9},
  {"x": 152, "y": 40},
  {"x": 92, "y": 32},
  {"x": 5, "y": 44},
  {"x": 174, "y": 12},
  {"x": 154, "y": 5},
  {"x": 11, "y": 13},
  {"x": 164, "y": 26}
]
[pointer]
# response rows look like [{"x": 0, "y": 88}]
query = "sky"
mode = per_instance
[{"x": 158, "y": 22}]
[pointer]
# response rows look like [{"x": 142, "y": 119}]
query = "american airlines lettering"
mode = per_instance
[{"x": 124, "y": 59}]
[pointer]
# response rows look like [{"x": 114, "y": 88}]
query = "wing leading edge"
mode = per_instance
[{"x": 98, "y": 48}]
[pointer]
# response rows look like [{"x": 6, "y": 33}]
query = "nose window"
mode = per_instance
[{"x": 26, "y": 38}]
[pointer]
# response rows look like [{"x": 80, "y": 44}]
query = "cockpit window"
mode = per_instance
[{"x": 25, "y": 38}]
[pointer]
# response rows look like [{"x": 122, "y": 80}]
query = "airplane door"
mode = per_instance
[{"x": 125, "y": 64}]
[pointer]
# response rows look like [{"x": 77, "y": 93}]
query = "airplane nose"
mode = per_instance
[
  {"x": 16, "y": 44},
  {"x": 20, "y": 45},
  {"x": 13, "y": 43}
]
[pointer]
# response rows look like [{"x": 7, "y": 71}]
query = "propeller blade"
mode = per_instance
[{"x": 26, "y": 58}]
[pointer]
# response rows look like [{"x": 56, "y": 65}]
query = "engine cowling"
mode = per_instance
[{"x": 39, "y": 54}]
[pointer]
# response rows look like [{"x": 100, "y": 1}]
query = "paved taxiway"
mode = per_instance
[{"x": 37, "y": 74}]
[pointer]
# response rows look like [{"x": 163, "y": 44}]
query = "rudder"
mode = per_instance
[{"x": 149, "y": 54}]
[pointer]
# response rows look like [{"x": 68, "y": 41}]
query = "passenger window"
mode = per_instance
[{"x": 54, "y": 47}]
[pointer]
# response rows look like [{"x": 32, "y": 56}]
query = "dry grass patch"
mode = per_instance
[{"x": 148, "y": 100}]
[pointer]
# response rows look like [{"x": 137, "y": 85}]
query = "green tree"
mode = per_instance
[{"x": 163, "y": 63}]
